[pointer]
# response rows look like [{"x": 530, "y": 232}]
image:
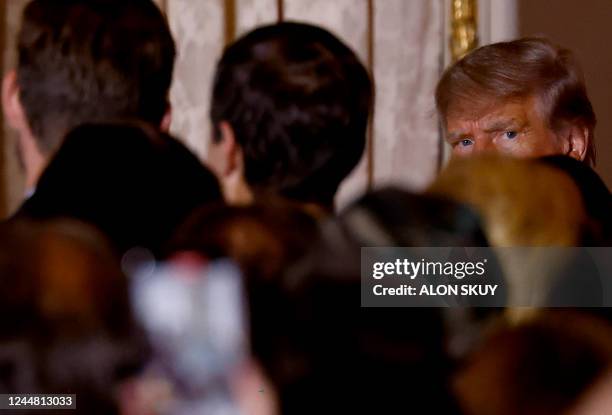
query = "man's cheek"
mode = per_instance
[
  {"x": 462, "y": 151},
  {"x": 535, "y": 146}
]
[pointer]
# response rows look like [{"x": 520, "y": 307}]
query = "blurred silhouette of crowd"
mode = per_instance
[{"x": 144, "y": 281}]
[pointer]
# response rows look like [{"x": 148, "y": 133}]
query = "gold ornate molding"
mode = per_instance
[
  {"x": 464, "y": 27},
  {"x": 229, "y": 13},
  {"x": 280, "y": 10}
]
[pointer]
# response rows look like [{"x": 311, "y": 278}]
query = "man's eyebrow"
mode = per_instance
[
  {"x": 503, "y": 124},
  {"x": 455, "y": 135}
]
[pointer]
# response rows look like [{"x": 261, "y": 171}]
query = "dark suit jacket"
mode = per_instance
[{"x": 136, "y": 186}]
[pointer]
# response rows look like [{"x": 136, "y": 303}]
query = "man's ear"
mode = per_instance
[
  {"x": 164, "y": 126},
  {"x": 11, "y": 103},
  {"x": 578, "y": 139},
  {"x": 226, "y": 159},
  {"x": 229, "y": 150}
]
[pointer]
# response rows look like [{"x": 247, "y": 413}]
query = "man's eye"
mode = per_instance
[
  {"x": 466, "y": 142},
  {"x": 510, "y": 134}
]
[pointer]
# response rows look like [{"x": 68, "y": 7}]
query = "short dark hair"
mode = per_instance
[
  {"x": 298, "y": 100},
  {"x": 517, "y": 69},
  {"x": 92, "y": 61}
]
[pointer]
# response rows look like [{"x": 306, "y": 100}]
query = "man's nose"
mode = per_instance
[{"x": 484, "y": 144}]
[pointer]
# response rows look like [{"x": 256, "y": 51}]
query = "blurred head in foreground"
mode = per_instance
[
  {"x": 86, "y": 61},
  {"x": 395, "y": 217},
  {"x": 540, "y": 367},
  {"x": 537, "y": 213},
  {"x": 523, "y": 203},
  {"x": 134, "y": 184},
  {"x": 392, "y": 217},
  {"x": 290, "y": 108},
  {"x": 319, "y": 348},
  {"x": 525, "y": 98},
  {"x": 263, "y": 239},
  {"x": 66, "y": 322}
]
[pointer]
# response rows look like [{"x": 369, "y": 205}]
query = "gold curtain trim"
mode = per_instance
[
  {"x": 229, "y": 10},
  {"x": 464, "y": 27}
]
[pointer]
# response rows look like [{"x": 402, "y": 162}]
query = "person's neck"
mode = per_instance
[
  {"x": 237, "y": 192},
  {"x": 34, "y": 162}
]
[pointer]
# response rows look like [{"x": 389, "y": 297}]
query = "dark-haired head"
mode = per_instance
[
  {"x": 87, "y": 61},
  {"x": 310, "y": 333},
  {"x": 290, "y": 108}
]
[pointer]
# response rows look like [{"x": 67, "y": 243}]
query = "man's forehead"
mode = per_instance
[{"x": 490, "y": 112}]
